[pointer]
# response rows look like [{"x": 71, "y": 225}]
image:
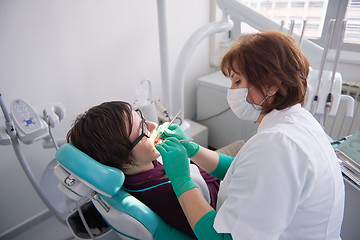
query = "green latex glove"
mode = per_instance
[
  {"x": 174, "y": 130},
  {"x": 222, "y": 167},
  {"x": 176, "y": 165}
]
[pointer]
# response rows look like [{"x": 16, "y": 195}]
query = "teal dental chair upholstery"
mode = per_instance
[{"x": 81, "y": 176}]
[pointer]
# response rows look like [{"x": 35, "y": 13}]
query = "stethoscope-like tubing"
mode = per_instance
[
  {"x": 338, "y": 50},
  {"x": 337, "y": 57},
  {"x": 302, "y": 32},
  {"x": 323, "y": 60}
]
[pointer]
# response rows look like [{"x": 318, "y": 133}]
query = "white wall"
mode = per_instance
[{"x": 81, "y": 53}]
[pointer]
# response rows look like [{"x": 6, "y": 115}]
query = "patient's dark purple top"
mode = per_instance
[{"x": 162, "y": 199}]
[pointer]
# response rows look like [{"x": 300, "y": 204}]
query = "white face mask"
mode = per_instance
[{"x": 241, "y": 108}]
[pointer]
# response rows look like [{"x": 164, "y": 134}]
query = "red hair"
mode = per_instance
[{"x": 270, "y": 59}]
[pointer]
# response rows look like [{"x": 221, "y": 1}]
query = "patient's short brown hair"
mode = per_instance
[{"x": 103, "y": 133}]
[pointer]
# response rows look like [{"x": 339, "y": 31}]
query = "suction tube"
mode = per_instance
[
  {"x": 322, "y": 65},
  {"x": 302, "y": 32},
  {"x": 328, "y": 104},
  {"x": 10, "y": 129}
]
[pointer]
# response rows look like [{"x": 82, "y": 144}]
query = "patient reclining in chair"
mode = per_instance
[{"x": 117, "y": 136}]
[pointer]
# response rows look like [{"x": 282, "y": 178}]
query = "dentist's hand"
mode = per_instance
[
  {"x": 176, "y": 165},
  {"x": 174, "y": 130}
]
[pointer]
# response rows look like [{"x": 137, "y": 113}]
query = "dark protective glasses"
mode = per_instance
[{"x": 143, "y": 128}]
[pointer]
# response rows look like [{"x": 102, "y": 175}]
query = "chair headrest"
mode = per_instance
[{"x": 104, "y": 178}]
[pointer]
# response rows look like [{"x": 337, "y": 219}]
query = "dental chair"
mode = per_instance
[{"x": 82, "y": 177}]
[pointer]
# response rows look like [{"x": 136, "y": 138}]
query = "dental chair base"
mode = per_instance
[
  {"x": 98, "y": 228},
  {"x": 81, "y": 176}
]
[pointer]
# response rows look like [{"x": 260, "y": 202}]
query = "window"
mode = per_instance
[
  {"x": 316, "y": 4},
  {"x": 299, "y": 4},
  {"x": 317, "y": 14},
  {"x": 352, "y": 33},
  {"x": 282, "y": 4}
]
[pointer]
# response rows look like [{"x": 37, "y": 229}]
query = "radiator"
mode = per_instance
[{"x": 340, "y": 126}]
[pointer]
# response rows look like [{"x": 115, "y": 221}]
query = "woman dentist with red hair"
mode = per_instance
[{"x": 285, "y": 182}]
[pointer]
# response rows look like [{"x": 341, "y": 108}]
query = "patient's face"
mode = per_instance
[{"x": 144, "y": 151}]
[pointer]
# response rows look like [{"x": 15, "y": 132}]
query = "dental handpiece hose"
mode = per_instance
[
  {"x": 337, "y": 57},
  {"x": 302, "y": 32},
  {"x": 47, "y": 120},
  {"x": 322, "y": 65},
  {"x": 10, "y": 129}
]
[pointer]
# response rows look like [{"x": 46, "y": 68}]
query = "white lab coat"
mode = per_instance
[{"x": 285, "y": 183}]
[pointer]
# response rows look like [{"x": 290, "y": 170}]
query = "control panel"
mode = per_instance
[{"x": 28, "y": 124}]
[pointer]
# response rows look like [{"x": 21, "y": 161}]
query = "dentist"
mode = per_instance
[{"x": 285, "y": 182}]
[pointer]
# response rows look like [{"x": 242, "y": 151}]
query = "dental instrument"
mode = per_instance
[
  {"x": 10, "y": 131},
  {"x": 47, "y": 120},
  {"x": 322, "y": 64},
  {"x": 144, "y": 101},
  {"x": 282, "y": 25},
  {"x": 182, "y": 141},
  {"x": 336, "y": 61},
  {"x": 170, "y": 123},
  {"x": 302, "y": 32},
  {"x": 291, "y": 28}
]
